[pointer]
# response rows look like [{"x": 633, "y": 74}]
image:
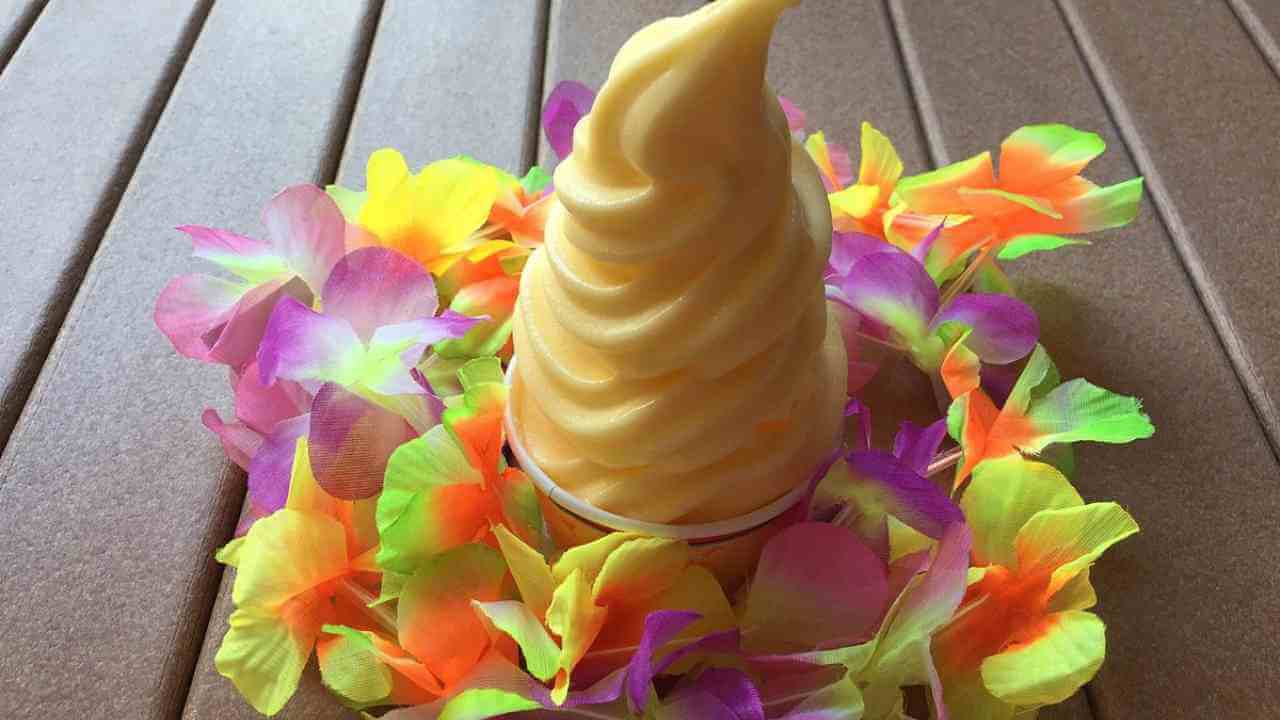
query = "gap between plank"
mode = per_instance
[
  {"x": 21, "y": 28},
  {"x": 1192, "y": 264},
  {"x": 928, "y": 132},
  {"x": 1258, "y": 33},
  {"x": 533, "y": 109}
]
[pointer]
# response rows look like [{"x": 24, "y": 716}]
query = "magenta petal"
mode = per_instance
[
  {"x": 225, "y": 247},
  {"x": 863, "y": 364},
  {"x": 261, "y": 407},
  {"x": 372, "y": 287},
  {"x": 660, "y": 628},
  {"x": 300, "y": 344},
  {"x": 801, "y": 599},
  {"x": 192, "y": 305},
  {"x": 236, "y": 342},
  {"x": 239, "y": 441},
  {"x": 717, "y": 694},
  {"x": 567, "y": 103},
  {"x": 725, "y": 642},
  {"x": 916, "y": 446},
  {"x": 841, "y": 163},
  {"x": 420, "y": 334},
  {"x": 933, "y": 602},
  {"x": 902, "y": 570},
  {"x": 434, "y": 405},
  {"x": 893, "y": 289},
  {"x": 913, "y": 499},
  {"x": 605, "y": 690},
  {"x": 848, "y": 248},
  {"x": 998, "y": 380},
  {"x": 349, "y": 442},
  {"x": 1004, "y": 328},
  {"x": 921, "y": 250},
  {"x": 410, "y": 341},
  {"x": 689, "y": 705},
  {"x": 795, "y": 116},
  {"x": 307, "y": 230},
  {"x": 272, "y": 465}
]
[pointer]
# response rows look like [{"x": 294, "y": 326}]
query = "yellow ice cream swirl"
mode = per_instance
[{"x": 675, "y": 361}]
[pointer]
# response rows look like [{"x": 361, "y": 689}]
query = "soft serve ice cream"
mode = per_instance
[{"x": 675, "y": 358}]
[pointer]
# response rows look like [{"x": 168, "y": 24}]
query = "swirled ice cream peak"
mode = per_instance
[{"x": 675, "y": 359}]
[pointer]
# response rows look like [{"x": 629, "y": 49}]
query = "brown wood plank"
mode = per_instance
[
  {"x": 112, "y": 496},
  {"x": 583, "y": 37},
  {"x": 1183, "y": 638},
  {"x": 77, "y": 101},
  {"x": 442, "y": 78},
  {"x": 1201, "y": 114}
]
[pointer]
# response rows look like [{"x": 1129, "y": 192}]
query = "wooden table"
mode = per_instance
[{"x": 117, "y": 124}]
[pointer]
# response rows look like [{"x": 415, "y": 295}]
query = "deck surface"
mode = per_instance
[{"x": 120, "y": 125}]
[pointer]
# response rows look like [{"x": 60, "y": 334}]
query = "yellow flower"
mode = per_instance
[{"x": 432, "y": 216}]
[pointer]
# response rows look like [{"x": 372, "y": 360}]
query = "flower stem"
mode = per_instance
[
  {"x": 963, "y": 282},
  {"x": 361, "y": 598},
  {"x": 943, "y": 461}
]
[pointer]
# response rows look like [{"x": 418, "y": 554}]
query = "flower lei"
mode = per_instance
[{"x": 387, "y": 534}]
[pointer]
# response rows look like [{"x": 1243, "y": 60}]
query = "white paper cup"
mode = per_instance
[{"x": 728, "y": 548}]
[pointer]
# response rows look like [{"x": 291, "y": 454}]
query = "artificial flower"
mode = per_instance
[
  {"x": 366, "y": 668},
  {"x": 377, "y": 320},
  {"x": 796, "y": 118},
  {"x": 834, "y": 166},
  {"x": 433, "y": 216},
  {"x": 258, "y": 410},
  {"x": 1038, "y": 197},
  {"x": 586, "y": 613},
  {"x": 521, "y": 208},
  {"x": 898, "y": 304},
  {"x": 452, "y": 486},
  {"x": 291, "y": 569},
  {"x": 867, "y": 487},
  {"x": 217, "y": 320},
  {"x": 858, "y": 206},
  {"x": 1022, "y": 638},
  {"x": 833, "y": 678},
  {"x": 484, "y": 283},
  {"x": 567, "y": 103},
  {"x": 1040, "y": 411},
  {"x": 438, "y": 643},
  {"x": 800, "y": 600},
  {"x": 497, "y": 687}
]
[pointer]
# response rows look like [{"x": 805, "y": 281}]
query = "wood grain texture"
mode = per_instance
[
  {"x": 77, "y": 101},
  {"x": 112, "y": 496},
  {"x": 442, "y": 78},
  {"x": 1195, "y": 584}
]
